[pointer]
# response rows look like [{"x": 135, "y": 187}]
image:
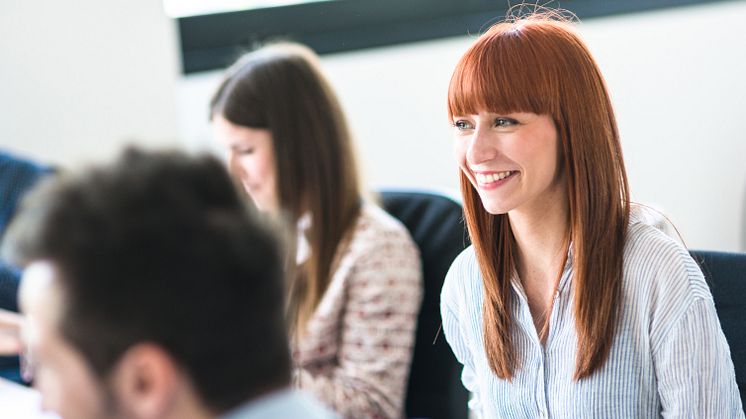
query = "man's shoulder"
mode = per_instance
[{"x": 282, "y": 404}]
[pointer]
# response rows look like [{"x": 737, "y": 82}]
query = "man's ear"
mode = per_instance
[{"x": 146, "y": 381}]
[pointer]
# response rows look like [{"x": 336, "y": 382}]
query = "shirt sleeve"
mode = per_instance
[
  {"x": 452, "y": 329},
  {"x": 694, "y": 367},
  {"x": 377, "y": 336}
]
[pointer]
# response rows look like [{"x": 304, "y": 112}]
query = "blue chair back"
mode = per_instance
[
  {"x": 726, "y": 275},
  {"x": 436, "y": 224},
  {"x": 17, "y": 176}
]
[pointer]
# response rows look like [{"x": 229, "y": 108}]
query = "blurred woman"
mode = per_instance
[
  {"x": 354, "y": 286},
  {"x": 567, "y": 305}
]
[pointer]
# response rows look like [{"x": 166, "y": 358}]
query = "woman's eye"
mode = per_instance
[
  {"x": 244, "y": 151},
  {"x": 462, "y": 125},
  {"x": 505, "y": 122}
]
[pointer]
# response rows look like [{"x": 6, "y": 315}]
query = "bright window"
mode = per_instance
[{"x": 184, "y": 8}]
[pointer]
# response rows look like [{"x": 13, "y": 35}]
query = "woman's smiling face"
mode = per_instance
[
  {"x": 512, "y": 160},
  {"x": 251, "y": 159}
]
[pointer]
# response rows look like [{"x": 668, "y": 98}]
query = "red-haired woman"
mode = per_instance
[{"x": 567, "y": 305}]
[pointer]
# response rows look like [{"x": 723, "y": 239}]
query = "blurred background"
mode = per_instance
[{"x": 79, "y": 80}]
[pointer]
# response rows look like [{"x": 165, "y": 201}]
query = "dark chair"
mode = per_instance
[
  {"x": 726, "y": 275},
  {"x": 17, "y": 176},
  {"x": 436, "y": 224}
]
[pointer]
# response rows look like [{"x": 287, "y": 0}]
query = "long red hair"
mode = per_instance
[{"x": 540, "y": 65}]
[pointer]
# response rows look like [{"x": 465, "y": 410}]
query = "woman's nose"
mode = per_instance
[
  {"x": 481, "y": 148},
  {"x": 233, "y": 165}
]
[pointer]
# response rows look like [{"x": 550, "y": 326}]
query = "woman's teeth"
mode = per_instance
[{"x": 493, "y": 177}]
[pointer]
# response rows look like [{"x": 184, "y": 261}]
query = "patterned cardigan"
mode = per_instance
[{"x": 357, "y": 348}]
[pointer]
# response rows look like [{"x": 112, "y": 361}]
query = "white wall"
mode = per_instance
[
  {"x": 677, "y": 78},
  {"x": 79, "y": 78},
  {"x": 74, "y": 88}
]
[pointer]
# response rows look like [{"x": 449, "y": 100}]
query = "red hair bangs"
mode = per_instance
[{"x": 509, "y": 69}]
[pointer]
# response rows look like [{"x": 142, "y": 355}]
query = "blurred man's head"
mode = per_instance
[{"x": 150, "y": 291}]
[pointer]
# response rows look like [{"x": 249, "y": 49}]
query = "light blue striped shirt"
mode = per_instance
[{"x": 669, "y": 357}]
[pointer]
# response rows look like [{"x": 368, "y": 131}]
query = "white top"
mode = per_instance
[
  {"x": 669, "y": 357},
  {"x": 17, "y": 401},
  {"x": 282, "y": 404}
]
